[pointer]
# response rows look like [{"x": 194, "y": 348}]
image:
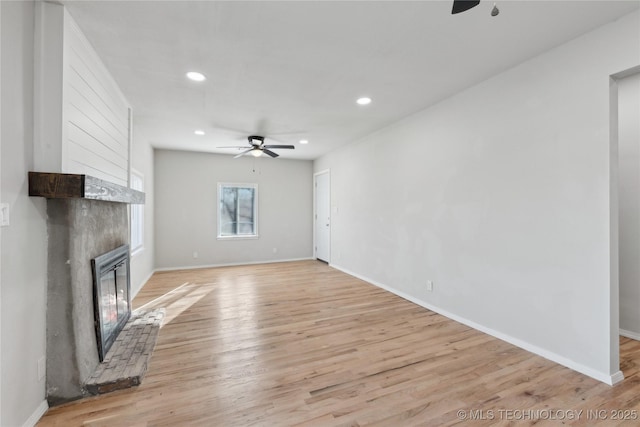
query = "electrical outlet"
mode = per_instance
[
  {"x": 42, "y": 368},
  {"x": 429, "y": 286},
  {"x": 195, "y": 254}
]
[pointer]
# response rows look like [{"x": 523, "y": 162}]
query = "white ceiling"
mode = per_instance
[{"x": 293, "y": 70}]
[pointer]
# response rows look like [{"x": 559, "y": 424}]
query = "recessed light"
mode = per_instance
[
  {"x": 199, "y": 132},
  {"x": 304, "y": 141},
  {"x": 195, "y": 76},
  {"x": 364, "y": 100}
]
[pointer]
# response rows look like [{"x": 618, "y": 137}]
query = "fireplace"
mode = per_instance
[
  {"x": 86, "y": 217},
  {"x": 111, "y": 296}
]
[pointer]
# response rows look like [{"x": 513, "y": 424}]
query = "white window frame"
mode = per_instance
[
  {"x": 255, "y": 235},
  {"x": 136, "y": 214}
]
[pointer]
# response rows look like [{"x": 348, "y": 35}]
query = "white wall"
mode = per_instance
[
  {"x": 500, "y": 195},
  {"x": 186, "y": 216},
  {"x": 82, "y": 120},
  {"x": 142, "y": 262},
  {"x": 24, "y": 244},
  {"x": 629, "y": 195}
]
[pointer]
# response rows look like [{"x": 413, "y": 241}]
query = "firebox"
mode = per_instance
[{"x": 111, "y": 290}]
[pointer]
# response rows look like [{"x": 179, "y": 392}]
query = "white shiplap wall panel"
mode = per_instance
[
  {"x": 84, "y": 59},
  {"x": 90, "y": 85},
  {"x": 79, "y": 136},
  {"x": 96, "y": 114},
  {"x": 108, "y": 171},
  {"x": 83, "y": 114},
  {"x": 82, "y": 168}
]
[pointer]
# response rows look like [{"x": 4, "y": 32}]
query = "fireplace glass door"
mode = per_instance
[
  {"x": 122, "y": 293},
  {"x": 112, "y": 305},
  {"x": 108, "y": 303}
]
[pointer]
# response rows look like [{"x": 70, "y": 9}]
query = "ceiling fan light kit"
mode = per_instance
[{"x": 257, "y": 147}]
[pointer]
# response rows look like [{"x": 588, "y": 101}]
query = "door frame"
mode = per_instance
[
  {"x": 614, "y": 256},
  {"x": 0, "y": 199},
  {"x": 315, "y": 218}
]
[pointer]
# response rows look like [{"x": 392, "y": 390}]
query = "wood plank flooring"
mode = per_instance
[{"x": 302, "y": 344}]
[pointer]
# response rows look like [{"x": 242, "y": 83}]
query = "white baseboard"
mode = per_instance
[
  {"x": 600, "y": 376},
  {"x": 146, "y": 279},
  {"x": 616, "y": 378},
  {"x": 37, "y": 414},
  {"x": 231, "y": 264},
  {"x": 141, "y": 285},
  {"x": 630, "y": 334}
]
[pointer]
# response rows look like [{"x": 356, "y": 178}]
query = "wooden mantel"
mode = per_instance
[{"x": 66, "y": 186}]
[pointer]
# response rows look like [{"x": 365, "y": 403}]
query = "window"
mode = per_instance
[
  {"x": 237, "y": 211},
  {"x": 137, "y": 215}
]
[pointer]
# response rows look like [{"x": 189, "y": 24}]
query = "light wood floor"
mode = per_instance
[{"x": 303, "y": 344}]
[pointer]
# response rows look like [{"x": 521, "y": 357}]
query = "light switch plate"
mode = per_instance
[{"x": 4, "y": 214}]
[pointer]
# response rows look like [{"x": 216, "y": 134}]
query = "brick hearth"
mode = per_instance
[{"x": 126, "y": 362}]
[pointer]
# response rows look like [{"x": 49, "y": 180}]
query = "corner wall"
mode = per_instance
[
  {"x": 24, "y": 242},
  {"x": 500, "y": 196},
  {"x": 142, "y": 262},
  {"x": 186, "y": 214}
]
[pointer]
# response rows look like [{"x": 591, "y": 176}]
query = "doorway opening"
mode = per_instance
[
  {"x": 322, "y": 216},
  {"x": 628, "y": 136},
  {"x": 624, "y": 211}
]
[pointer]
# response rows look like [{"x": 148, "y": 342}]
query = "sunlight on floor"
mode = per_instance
[{"x": 178, "y": 300}]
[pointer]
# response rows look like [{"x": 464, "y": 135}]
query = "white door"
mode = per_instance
[{"x": 322, "y": 216}]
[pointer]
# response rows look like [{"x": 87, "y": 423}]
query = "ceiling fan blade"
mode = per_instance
[
  {"x": 243, "y": 153},
  {"x": 239, "y": 147},
  {"x": 290, "y": 147},
  {"x": 269, "y": 152},
  {"x": 463, "y": 5}
]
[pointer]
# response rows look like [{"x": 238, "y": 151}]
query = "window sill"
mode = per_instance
[
  {"x": 137, "y": 251},
  {"x": 251, "y": 237}
]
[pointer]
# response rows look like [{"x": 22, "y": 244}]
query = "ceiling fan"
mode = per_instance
[
  {"x": 257, "y": 146},
  {"x": 463, "y": 5}
]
